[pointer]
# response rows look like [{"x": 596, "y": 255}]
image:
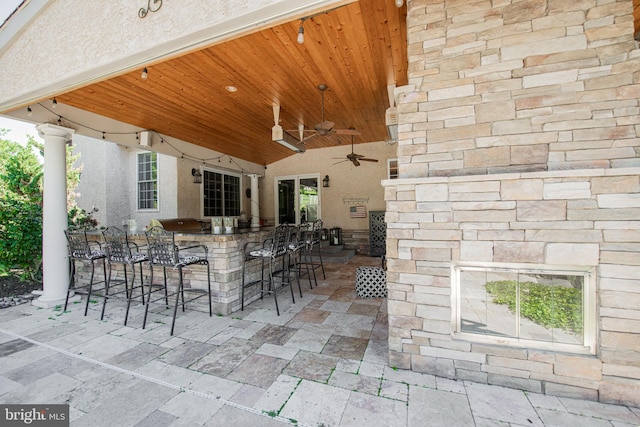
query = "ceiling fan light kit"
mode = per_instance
[{"x": 281, "y": 137}]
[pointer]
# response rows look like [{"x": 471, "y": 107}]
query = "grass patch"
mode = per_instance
[{"x": 549, "y": 306}]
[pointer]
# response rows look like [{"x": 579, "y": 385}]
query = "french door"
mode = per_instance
[{"x": 297, "y": 199}]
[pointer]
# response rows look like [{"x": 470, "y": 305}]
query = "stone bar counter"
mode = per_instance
[{"x": 225, "y": 255}]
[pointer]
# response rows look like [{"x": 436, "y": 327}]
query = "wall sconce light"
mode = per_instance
[
  {"x": 325, "y": 181},
  {"x": 197, "y": 176},
  {"x": 144, "y": 74}
]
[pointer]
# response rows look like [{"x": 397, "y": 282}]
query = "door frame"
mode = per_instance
[{"x": 296, "y": 179}]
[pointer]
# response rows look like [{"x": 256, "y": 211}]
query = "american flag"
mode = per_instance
[{"x": 359, "y": 211}]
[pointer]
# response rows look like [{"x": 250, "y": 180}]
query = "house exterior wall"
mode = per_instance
[{"x": 518, "y": 143}]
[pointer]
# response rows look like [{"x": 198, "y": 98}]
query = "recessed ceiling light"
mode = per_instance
[{"x": 231, "y": 88}]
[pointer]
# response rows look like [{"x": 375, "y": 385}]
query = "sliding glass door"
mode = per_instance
[{"x": 298, "y": 199}]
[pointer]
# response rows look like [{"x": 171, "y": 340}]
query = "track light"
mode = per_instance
[
  {"x": 399, "y": 3},
  {"x": 300, "y": 38},
  {"x": 144, "y": 74}
]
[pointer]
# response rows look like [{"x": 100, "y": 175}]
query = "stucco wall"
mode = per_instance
[{"x": 528, "y": 110}]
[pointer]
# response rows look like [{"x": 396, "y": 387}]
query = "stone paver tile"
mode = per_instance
[
  {"x": 273, "y": 334},
  {"x": 279, "y": 351},
  {"x": 446, "y": 384},
  {"x": 394, "y": 390},
  {"x": 560, "y": 419},
  {"x": 38, "y": 369},
  {"x": 226, "y": 357},
  {"x": 345, "y": 347},
  {"x": 215, "y": 386},
  {"x": 438, "y": 408},
  {"x": 600, "y": 410},
  {"x": 310, "y": 338},
  {"x": 168, "y": 373},
  {"x": 343, "y": 295},
  {"x": 224, "y": 335},
  {"x": 501, "y": 403},
  {"x": 270, "y": 316},
  {"x": 377, "y": 352},
  {"x": 336, "y": 306},
  {"x": 104, "y": 347},
  {"x": 363, "y": 309},
  {"x": 355, "y": 382},
  {"x": 7, "y": 385},
  {"x": 250, "y": 330},
  {"x": 312, "y": 366},
  {"x": 545, "y": 401},
  {"x": 409, "y": 377},
  {"x": 366, "y": 410},
  {"x": 351, "y": 325},
  {"x": 187, "y": 354},
  {"x": 311, "y": 315},
  {"x": 488, "y": 422},
  {"x": 157, "y": 419},
  {"x": 107, "y": 385},
  {"x": 348, "y": 365},
  {"x": 229, "y": 416},
  {"x": 132, "y": 405},
  {"x": 248, "y": 395},
  {"x": 46, "y": 333},
  {"x": 258, "y": 370},
  {"x": 372, "y": 369},
  {"x": 193, "y": 409},
  {"x": 41, "y": 391},
  {"x": 314, "y": 404},
  {"x": 136, "y": 356},
  {"x": 14, "y": 346},
  {"x": 277, "y": 394},
  {"x": 200, "y": 328},
  {"x": 24, "y": 357}
]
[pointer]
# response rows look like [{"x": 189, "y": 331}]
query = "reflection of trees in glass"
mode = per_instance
[{"x": 551, "y": 306}]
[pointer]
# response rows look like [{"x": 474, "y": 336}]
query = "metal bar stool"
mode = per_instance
[
  {"x": 314, "y": 241},
  {"x": 120, "y": 250},
  {"x": 80, "y": 249},
  {"x": 297, "y": 243},
  {"x": 164, "y": 253},
  {"x": 273, "y": 253}
]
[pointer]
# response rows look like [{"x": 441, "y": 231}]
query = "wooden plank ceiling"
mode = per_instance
[{"x": 356, "y": 50}]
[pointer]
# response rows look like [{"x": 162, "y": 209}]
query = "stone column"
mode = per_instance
[
  {"x": 255, "y": 201},
  {"x": 55, "y": 262}
]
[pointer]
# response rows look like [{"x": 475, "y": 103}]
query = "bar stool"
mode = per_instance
[
  {"x": 297, "y": 243},
  {"x": 120, "y": 250},
  {"x": 314, "y": 241},
  {"x": 80, "y": 249},
  {"x": 163, "y": 252},
  {"x": 272, "y": 252}
]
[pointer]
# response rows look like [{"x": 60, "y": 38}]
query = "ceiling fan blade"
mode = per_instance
[
  {"x": 367, "y": 160},
  {"x": 347, "y": 132},
  {"x": 341, "y": 161},
  {"x": 355, "y": 162}
]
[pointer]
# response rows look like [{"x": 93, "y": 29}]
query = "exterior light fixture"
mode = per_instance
[
  {"x": 399, "y": 3},
  {"x": 300, "y": 38},
  {"x": 29, "y": 111},
  {"x": 325, "y": 181},
  {"x": 54, "y": 103},
  {"x": 144, "y": 74},
  {"x": 197, "y": 176}
]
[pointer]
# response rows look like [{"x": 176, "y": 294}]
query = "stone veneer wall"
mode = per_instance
[{"x": 518, "y": 143}]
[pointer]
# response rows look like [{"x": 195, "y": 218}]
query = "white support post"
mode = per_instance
[
  {"x": 55, "y": 260},
  {"x": 255, "y": 201}
]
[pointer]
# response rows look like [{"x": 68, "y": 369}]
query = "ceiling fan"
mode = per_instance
[
  {"x": 356, "y": 158},
  {"x": 325, "y": 127}
]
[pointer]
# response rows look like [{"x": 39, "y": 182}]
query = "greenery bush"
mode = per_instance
[
  {"x": 21, "y": 174},
  {"x": 550, "y": 306}
]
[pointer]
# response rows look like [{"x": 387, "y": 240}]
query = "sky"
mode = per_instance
[{"x": 19, "y": 129}]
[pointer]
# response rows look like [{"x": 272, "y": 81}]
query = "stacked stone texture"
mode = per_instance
[{"x": 518, "y": 143}]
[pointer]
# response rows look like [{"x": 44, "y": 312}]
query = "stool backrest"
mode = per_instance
[
  {"x": 280, "y": 240},
  {"x": 162, "y": 248},
  {"x": 117, "y": 244},
  {"x": 78, "y": 243}
]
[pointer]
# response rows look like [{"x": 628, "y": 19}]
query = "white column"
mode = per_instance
[
  {"x": 255, "y": 201},
  {"x": 55, "y": 263}
]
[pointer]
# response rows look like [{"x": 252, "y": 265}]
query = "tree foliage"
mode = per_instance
[{"x": 21, "y": 174}]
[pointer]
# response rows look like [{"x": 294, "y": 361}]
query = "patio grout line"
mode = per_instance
[{"x": 153, "y": 380}]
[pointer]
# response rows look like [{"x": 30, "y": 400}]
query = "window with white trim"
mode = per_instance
[
  {"x": 147, "y": 180},
  {"x": 392, "y": 168},
  {"x": 221, "y": 193},
  {"x": 546, "y": 307}
]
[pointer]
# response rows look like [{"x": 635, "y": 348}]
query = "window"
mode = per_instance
[
  {"x": 147, "y": 181},
  {"x": 392, "y": 168},
  {"x": 534, "y": 306},
  {"x": 221, "y": 194}
]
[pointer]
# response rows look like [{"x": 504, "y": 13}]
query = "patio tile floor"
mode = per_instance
[{"x": 322, "y": 362}]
